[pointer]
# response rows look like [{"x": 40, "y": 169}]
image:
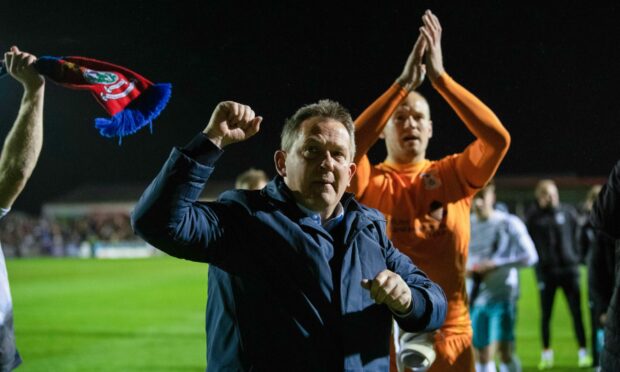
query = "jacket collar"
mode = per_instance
[
  {"x": 277, "y": 190},
  {"x": 354, "y": 219}
]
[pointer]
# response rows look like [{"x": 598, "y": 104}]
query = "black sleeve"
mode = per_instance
[
  {"x": 602, "y": 273},
  {"x": 605, "y": 214}
]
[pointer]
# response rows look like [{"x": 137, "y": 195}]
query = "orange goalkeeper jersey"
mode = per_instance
[{"x": 427, "y": 204}]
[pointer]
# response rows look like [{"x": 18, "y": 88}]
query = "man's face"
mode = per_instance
[
  {"x": 318, "y": 167},
  {"x": 483, "y": 202},
  {"x": 409, "y": 129},
  {"x": 547, "y": 196}
]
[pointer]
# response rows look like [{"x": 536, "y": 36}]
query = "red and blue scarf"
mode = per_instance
[{"x": 130, "y": 99}]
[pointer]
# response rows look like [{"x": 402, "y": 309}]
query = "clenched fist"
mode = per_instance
[
  {"x": 20, "y": 65},
  {"x": 390, "y": 289},
  {"x": 232, "y": 122}
]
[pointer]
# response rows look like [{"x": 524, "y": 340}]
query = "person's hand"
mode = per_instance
[
  {"x": 414, "y": 71},
  {"x": 483, "y": 267},
  {"x": 232, "y": 122},
  {"x": 390, "y": 289},
  {"x": 20, "y": 65},
  {"x": 432, "y": 35},
  {"x": 603, "y": 318}
]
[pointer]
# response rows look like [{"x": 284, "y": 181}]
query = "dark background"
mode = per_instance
[{"x": 549, "y": 70}]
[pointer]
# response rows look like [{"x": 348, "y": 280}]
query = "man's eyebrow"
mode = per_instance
[
  {"x": 341, "y": 148},
  {"x": 404, "y": 108},
  {"x": 312, "y": 138}
]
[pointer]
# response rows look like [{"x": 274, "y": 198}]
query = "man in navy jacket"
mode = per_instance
[{"x": 302, "y": 277}]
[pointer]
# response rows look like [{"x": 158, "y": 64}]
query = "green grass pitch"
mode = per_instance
[{"x": 148, "y": 315}]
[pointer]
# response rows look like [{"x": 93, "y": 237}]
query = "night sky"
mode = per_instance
[{"x": 550, "y": 73}]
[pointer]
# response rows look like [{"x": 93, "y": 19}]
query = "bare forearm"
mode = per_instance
[
  {"x": 22, "y": 146},
  {"x": 23, "y": 143}
]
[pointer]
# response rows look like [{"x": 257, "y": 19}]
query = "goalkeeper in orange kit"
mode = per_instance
[{"x": 427, "y": 202}]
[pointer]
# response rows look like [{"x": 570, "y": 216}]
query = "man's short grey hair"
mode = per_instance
[{"x": 326, "y": 109}]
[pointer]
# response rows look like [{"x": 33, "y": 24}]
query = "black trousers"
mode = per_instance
[{"x": 549, "y": 280}]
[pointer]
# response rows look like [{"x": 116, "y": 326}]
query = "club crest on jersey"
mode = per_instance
[
  {"x": 100, "y": 77},
  {"x": 430, "y": 179}
]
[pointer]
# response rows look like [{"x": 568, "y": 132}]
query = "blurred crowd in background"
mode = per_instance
[
  {"x": 23, "y": 235},
  {"x": 26, "y": 235}
]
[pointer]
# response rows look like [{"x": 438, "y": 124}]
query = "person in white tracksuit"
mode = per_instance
[{"x": 499, "y": 245}]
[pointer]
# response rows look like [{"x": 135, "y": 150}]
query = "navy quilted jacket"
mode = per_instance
[{"x": 283, "y": 293}]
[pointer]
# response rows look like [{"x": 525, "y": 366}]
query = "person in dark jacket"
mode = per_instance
[
  {"x": 605, "y": 217},
  {"x": 301, "y": 277},
  {"x": 597, "y": 250},
  {"x": 553, "y": 228}
]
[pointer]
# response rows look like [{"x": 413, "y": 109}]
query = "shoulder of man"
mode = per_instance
[
  {"x": 371, "y": 213},
  {"x": 569, "y": 210},
  {"x": 251, "y": 200},
  {"x": 515, "y": 224},
  {"x": 566, "y": 207},
  {"x": 501, "y": 220},
  {"x": 532, "y": 211}
]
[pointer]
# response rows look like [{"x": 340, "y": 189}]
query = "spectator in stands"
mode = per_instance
[
  {"x": 499, "y": 245},
  {"x": 18, "y": 158},
  {"x": 553, "y": 227},
  {"x": 251, "y": 179},
  {"x": 23, "y": 235},
  {"x": 301, "y": 276}
]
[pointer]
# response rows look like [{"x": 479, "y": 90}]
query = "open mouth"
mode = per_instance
[{"x": 410, "y": 138}]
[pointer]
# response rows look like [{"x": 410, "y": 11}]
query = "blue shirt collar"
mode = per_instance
[{"x": 328, "y": 224}]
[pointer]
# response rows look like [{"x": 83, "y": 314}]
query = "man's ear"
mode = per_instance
[
  {"x": 430, "y": 128},
  {"x": 352, "y": 169},
  {"x": 279, "y": 158},
  {"x": 382, "y": 134}
]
